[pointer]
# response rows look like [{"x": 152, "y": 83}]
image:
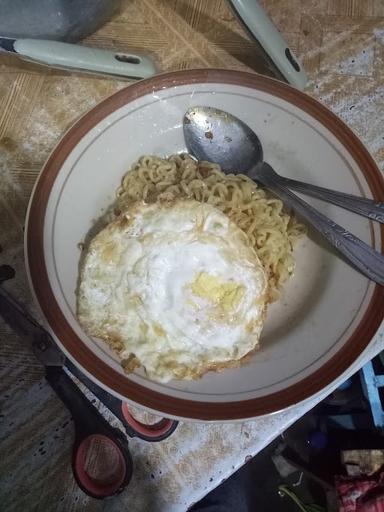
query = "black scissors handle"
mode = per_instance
[
  {"x": 101, "y": 462},
  {"x": 134, "y": 428}
]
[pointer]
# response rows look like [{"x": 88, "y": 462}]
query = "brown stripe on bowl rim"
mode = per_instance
[{"x": 210, "y": 411}]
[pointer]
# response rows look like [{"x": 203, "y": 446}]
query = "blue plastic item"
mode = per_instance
[{"x": 371, "y": 383}]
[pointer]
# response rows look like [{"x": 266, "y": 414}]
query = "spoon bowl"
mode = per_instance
[{"x": 219, "y": 137}]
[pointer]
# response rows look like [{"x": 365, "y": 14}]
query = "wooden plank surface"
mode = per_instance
[{"x": 340, "y": 42}]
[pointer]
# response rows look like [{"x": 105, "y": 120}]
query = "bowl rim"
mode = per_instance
[{"x": 118, "y": 383}]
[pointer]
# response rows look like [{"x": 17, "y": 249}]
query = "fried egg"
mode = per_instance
[{"x": 175, "y": 288}]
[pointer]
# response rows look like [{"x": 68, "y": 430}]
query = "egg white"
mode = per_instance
[{"x": 177, "y": 286}]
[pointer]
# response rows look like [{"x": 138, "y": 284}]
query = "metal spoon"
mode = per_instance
[{"x": 217, "y": 136}]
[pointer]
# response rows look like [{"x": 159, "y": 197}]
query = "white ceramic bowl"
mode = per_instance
[{"x": 328, "y": 313}]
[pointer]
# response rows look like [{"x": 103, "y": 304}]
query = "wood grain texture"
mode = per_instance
[{"x": 340, "y": 42}]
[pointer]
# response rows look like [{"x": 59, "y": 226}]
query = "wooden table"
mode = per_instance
[{"x": 341, "y": 44}]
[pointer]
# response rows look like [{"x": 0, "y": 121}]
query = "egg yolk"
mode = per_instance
[{"x": 225, "y": 295}]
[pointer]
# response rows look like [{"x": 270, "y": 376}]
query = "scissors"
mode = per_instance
[{"x": 92, "y": 432}]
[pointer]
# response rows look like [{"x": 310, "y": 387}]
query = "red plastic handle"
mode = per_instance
[
  {"x": 156, "y": 430},
  {"x": 100, "y": 467}
]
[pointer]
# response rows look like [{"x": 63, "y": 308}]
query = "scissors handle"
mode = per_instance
[
  {"x": 134, "y": 428},
  {"x": 101, "y": 462}
]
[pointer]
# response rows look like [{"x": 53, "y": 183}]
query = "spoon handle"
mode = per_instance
[
  {"x": 374, "y": 210},
  {"x": 362, "y": 256}
]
